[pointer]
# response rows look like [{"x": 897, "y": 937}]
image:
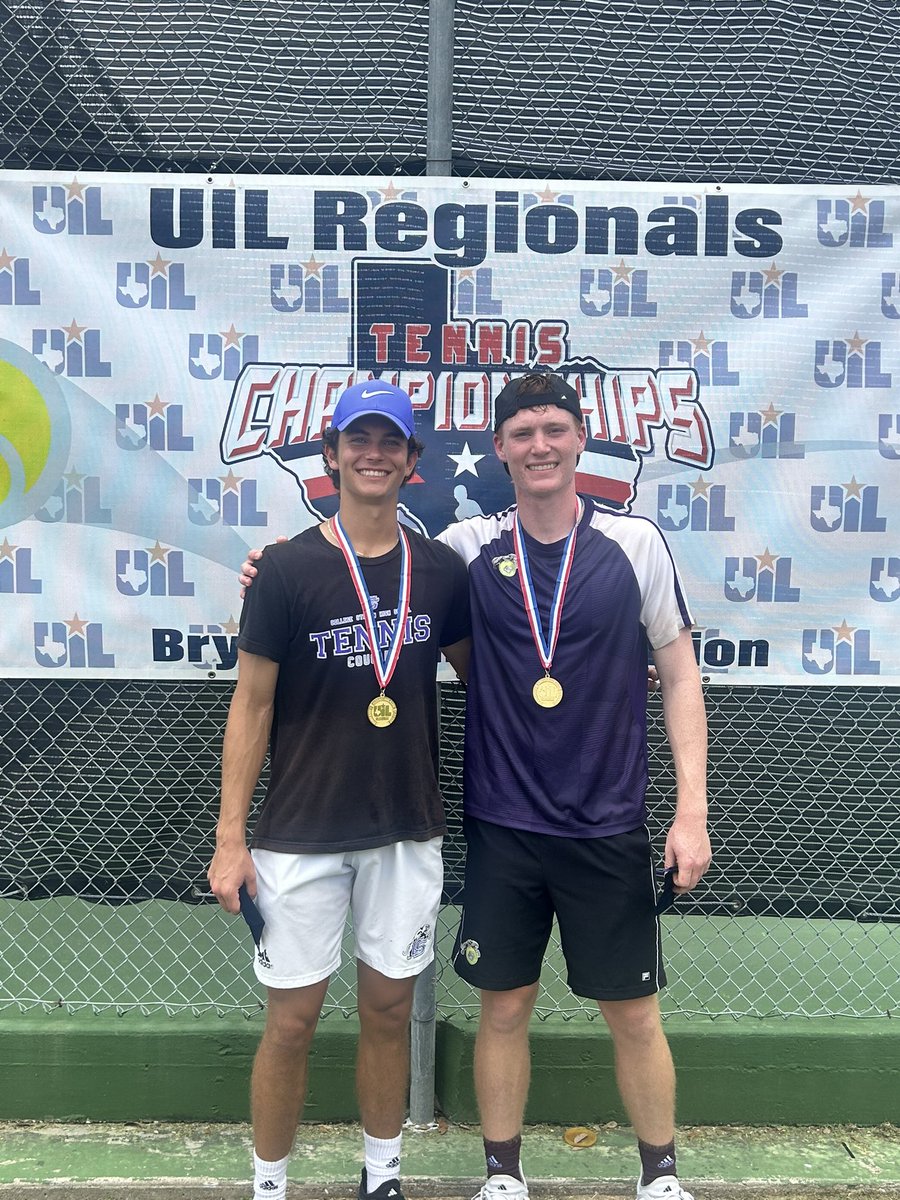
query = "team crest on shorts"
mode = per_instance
[
  {"x": 471, "y": 950},
  {"x": 505, "y": 564},
  {"x": 417, "y": 946}
]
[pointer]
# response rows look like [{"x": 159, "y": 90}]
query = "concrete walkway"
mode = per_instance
[{"x": 200, "y": 1162}]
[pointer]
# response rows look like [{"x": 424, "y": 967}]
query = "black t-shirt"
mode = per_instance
[{"x": 337, "y": 782}]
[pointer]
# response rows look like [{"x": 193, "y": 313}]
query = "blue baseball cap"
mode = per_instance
[{"x": 375, "y": 398}]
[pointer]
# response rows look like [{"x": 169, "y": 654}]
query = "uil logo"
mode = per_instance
[
  {"x": 15, "y": 571},
  {"x": 840, "y": 650},
  {"x": 619, "y": 292},
  {"x": 851, "y": 362},
  {"x": 884, "y": 579},
  {"x": 699, "y": 506},
  {"x": 72, "y": 350},
  {"x": 75, "y": 209},
  {"x": 15, "y": 281},
  {"x": 763, "y": 577},
  {"x": 312, "y": 286},
  {"x": 473, "y": 293},
  {"x": 857, "y": 222},
  {"x": 157, "y": 424},
  {"x": 766, "y": 434},
  {"x": 889, "y": 435},
  {"x": 74, "y": 643},
  {"x": 221, "y": 355},
  {"x": 890, "y": 295},
  {"x": 76, "y": 500},
  {"x": 229, "y": 499},
  {"x": 706, "y": 356},
  {"x": 852, "y": 507},
  {"x": 157, "y": 283},
  {"x": 771, "y": 293},
  {"x": 158, "y": 570}
]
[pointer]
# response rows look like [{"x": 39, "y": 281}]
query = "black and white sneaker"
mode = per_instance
[{"x": 389, "y": 1190}]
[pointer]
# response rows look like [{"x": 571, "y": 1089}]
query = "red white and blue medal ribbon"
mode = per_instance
[
  {"x": 382, "y": 710},
  {"x": 547, "y": 691}
]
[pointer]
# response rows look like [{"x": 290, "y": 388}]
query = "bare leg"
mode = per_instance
[
  {"x": 644, "y": 1070},
  {"x": 503, "y": 1061},
  {"x": 382, "y": 1062},
  {"x": 278, "y": 1085}
]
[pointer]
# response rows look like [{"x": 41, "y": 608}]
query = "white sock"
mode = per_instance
[
  {"x": 269, "y": 1178},
  {"x": 382, "y": 1160}
]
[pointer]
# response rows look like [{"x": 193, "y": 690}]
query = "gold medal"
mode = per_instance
[
  {"x": 547, "y": 692},
  {"x": 383, "y": 711}
]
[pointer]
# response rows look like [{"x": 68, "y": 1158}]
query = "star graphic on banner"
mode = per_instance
[
  {"x": 465, "y": 273},
  {"x": 766, "y": 561},
  {"x": 232, "y": 336},
  {"x": 158, "y": 553},
  {"x": 546, "y": 196},
  {"x": 622, "y": 271},
  {"x": 6, "y": 260},
  {"x": 853, "y": 488},
  {"x": 856, "y": 343},
  {"x": 230, "y": 481},
  {"x": 859, "y": 202},
  {"x": 770, "y": 415},
  {"x": 701, "y": 344},
  {"x": 773, "y": 274},
  {"x": 312, "y": 267},
  {"x": 390, "y": 192},
  {"x": 75, "y": 190},
  {"x": 700, "y": 486},
  {"x": 73, "y": 478},
  {"x": 74, "y": 331},
  {"x": 76, "y": 625},
  {"x": 159, "y": 265},
  {"x": 157, "y": 407},
  {"x": 230, "y": 627},
  {"x": 466, "y": 461},
  {"x": 6, "y": 549},
  {"x": 844, "y": 631}
]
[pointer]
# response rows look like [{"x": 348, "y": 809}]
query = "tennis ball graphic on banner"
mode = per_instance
[{"x": 35, "y": 432}]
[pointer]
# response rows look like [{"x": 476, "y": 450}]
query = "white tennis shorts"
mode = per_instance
[{"x": 392, "y": 894}]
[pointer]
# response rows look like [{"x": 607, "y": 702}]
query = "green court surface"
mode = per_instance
[{"x": 445, "y": 1160}]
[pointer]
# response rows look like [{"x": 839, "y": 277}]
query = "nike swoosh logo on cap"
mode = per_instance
[{"x": 378, "y": 392}]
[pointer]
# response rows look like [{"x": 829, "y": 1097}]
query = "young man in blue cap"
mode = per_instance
[{"x": 339, "y": 644}]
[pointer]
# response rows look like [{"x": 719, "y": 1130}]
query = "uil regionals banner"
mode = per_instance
[{"x": 171, "y": 349}]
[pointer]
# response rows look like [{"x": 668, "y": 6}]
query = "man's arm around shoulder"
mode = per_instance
[
  {"x": 687, "y": 843},
  {"x": 243, "y": 754}
]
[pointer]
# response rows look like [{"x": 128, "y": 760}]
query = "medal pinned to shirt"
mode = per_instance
[
  {"x": 382, "y": 711},
  {"x": 547, "y": 691}
]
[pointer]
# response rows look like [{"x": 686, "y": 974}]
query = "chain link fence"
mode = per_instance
[
  {"x": 109, "y": 806},
  {"x": 109, "y": 788},
  {"x": 787, "y": 91}
]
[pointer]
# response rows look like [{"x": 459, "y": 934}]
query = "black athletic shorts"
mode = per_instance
[{"x": 601, "y": 891}]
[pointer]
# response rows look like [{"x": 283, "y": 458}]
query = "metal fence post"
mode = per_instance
[
  {"x": 439, "y": 149},
  {"x": 421, "y": 1056}
]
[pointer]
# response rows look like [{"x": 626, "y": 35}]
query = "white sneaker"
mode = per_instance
[
  {"x": 666, "y": 1187},
  {"x": 503, "y": 1187}
]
